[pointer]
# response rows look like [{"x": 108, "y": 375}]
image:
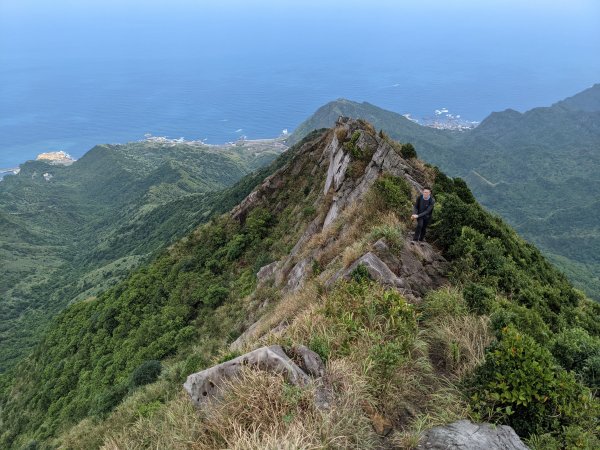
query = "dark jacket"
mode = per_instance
[{"x": 424, "y": 208}]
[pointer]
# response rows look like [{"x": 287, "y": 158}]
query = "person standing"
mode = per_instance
[{"x": 422, "y": 212}]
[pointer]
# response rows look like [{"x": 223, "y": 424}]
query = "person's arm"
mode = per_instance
[
  {"x": 428, "y": 210},
  {"x": 416, "y": 206}
]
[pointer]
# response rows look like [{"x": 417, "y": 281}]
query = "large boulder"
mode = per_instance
[
  {"x": 204, "y": 385},
  {"x": 464, "y": 434}
]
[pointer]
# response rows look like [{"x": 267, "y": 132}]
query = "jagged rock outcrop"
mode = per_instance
[
  {"x": 464, "y": 434},
  {"x": 204, "y": 385},
  {"x": 413, "y": 270},
  {"x": 418, "y": 265},
  {"x": 267, "y": 272},
  {"x": 299, "y": 367},
  {"x": 377, "y": 269},
  {"x": 346, "y": 189}
]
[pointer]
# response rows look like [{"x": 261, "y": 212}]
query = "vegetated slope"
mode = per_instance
[
  {"x": 540, "y": 170},
  {"x": 587, "y": 100},
  {"x": 70, "y": 232},
  {"x": 403, "y": 351}
]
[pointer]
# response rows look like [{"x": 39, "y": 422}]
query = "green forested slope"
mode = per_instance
[
  {"x": 91, "y": 349},
  {"x": 76, "y": 234},
  {"x": 540, "y": 170}
]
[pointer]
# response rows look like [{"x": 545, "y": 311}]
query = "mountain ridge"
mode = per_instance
[
  {"x": 301, "y": 261},
  {"x": 549, "y": 153}
]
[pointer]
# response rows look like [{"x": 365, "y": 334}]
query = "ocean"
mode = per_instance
[{"x": 72, "y": 77}]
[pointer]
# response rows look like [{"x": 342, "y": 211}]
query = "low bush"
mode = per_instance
[
  {"x": 145, "y": 373},
  {"x": 408, "y": 151},
  {"x": 393, "y": 235},
  {"x": 576, "y": 350},
  {"x": 394, "y": 193},
  {"x": 521, "y": 385},
  {"x": 479, "y": 297}
]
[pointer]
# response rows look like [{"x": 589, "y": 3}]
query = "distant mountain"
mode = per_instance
[
  {"x": 395, "y": 124},
  {"x": 588, "y": 100},
  {"x": 69, "y": 232},
  {"x": 540, "y": 170}
]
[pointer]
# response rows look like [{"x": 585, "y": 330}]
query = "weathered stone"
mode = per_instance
[
  {"x": 381, "y": 247},
  {"x": 468, "y": 435},
  {"x": 323, "y": 397},
  {"x": 267, "y": 272},
  {"x": 422, "y": 267},
  {"x": 378, "y": 270},
  {"x": 338, "y": 163},
  {"x": 203, "y": 385},
  {"x": 297, "y": 275},
  {"x": 309, "y": 361}
]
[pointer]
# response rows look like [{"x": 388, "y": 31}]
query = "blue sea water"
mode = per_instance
[{"x": 73, "y": 76}]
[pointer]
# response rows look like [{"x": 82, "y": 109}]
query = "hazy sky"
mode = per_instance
[{"x": 135, "y": 27}]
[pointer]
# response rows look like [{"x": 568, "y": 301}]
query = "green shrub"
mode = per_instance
[
  {"x": 576, "y": 437},
  {"x": 521, "y": 318},
  {"x": 591, "y": 372},
  {"x": 576, "y": 350},
  {"x": 443, "y": 302},
  {"x": 572, "y": 347},
  {"x": 309, "y": 211},
  {"x": 257, "y": 223},
  {"x": 228, "y": 356},
  {"x": 408, "y": 151},
  {"x": 572, "y": 437},
  {"x": 521, "y": 385},
  {"x": 365, "y": 314},
  {"x": 235, "y": 247},
  {"x": 543, "y": 442},
  {"x": 148, "y": 409},
  {"x": 108, "y": 400},
  {"x": 395, "y": 193},
  {"x": 393, "y": 236},
  {"x": 350, "y": 146},
  {"x": 316, "y": 267},
  {"x": 215, "y": 296},
  {"x": 360, "y": 274},
  {"x": 320, "y": 346},
  {"x": 479, "y": 298},
  {"x": 145, "y": 373}
]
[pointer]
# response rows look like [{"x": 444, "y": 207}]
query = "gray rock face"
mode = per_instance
[
  {"x": 204, "y": 385},
  {"x": 348, "y": 190},
  {"x": 267, "y": 272},
  {"x": 421, "y": 267},
  {"x": 297, "y": 275},
  {"x": 338, "y": 163},
  {"x": 309, "y": 361},
  {"x": 464, "y": 434},
  {"x": 378, "y": 270}
]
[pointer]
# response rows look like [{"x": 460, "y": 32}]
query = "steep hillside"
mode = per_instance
[
  {"x": 531, "y": 168},
  {"x": 476, "y": 324},
  {"x": 72, "y": 232},
  {"x": 588, "y": 100}
]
